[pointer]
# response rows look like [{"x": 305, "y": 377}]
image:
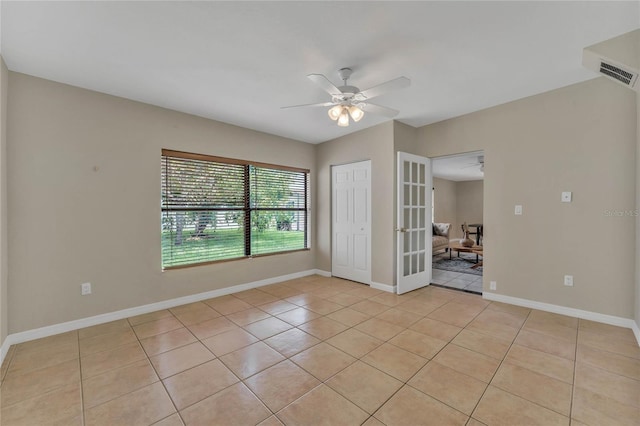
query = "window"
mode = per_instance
[{"x": 219, "y": 209}]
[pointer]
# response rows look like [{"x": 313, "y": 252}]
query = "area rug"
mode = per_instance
[{"x": 457, "y": 264}]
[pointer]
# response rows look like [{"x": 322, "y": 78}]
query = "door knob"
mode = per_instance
[{"x": 401, "y": 229}]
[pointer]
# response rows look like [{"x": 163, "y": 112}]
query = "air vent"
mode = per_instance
[{"x": 626, "y": 77}]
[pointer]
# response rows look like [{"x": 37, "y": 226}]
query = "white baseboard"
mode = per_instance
[
  {"x": 636, "y": 331},
  {"x": 51, "y": 330},
  {"x": 4, "y": 349},
  {"x": 563, "y": 310},
  {"x": 321, "y": 272},
  {"x": 372, "y": 284},
  {"x": 383, "y": 287}
]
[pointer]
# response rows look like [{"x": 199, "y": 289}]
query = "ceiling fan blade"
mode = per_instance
[
  {"x": 380, "y": 110},
  {"x": 324, "y": 82},
  {"x": 395, "y": 84},
  {"x": 321, "y": 104}
]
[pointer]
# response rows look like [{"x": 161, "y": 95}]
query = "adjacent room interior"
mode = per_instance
[
  {"x": 220, "y": 213},
  {"x": 458, "y": 197}
]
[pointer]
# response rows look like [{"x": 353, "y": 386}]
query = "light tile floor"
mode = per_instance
[
  {"x": 457, "y": 280},
  {"x": 327, "y": 351}
]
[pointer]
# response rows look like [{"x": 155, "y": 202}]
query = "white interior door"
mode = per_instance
[
  {"x": 414, "y": 224},
  {"x": 351, "y": 221}
]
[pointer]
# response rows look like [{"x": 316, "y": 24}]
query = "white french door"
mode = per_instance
[
  {"x": 413, "y": 223},
  {"x": 351, "y": 221}
]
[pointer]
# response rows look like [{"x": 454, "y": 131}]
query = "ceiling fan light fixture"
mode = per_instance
[
  {"x": 356, "y": 113},
  {"x": 349, "y": 101},
  {"x": 335, "y": 112},
  {"x": 343, "y": 119}
]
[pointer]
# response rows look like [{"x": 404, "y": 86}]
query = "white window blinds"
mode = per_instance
[{"x": 217, "y": 209}]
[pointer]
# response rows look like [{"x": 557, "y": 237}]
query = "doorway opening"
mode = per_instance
[{"x": 457, "y": 217}]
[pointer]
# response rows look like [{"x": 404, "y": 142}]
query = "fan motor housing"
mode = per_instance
[
  {"x": 349, "y": 90},
  {"x": 345, "y": 73}
]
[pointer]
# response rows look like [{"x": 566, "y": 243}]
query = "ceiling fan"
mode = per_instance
[{"x": 349, "y": 101}]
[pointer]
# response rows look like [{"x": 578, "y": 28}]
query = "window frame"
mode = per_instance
[{"x": 247, "y": 207}]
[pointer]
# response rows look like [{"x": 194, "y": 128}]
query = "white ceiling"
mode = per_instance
[
  {"x": 239, "y": 62},
  {"x": 458, "y": 168}
]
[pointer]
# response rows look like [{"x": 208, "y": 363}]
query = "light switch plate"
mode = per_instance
[
  {"x": 85, "y": 289},
  {"x": 518, "y": 210},
  {"x": 566, "y": 197}
]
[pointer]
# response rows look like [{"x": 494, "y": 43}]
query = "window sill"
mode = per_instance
[{"x": 235, "y": 259}]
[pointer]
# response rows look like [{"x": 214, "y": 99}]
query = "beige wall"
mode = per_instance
[
  {"x": 375, "y": 144},
  {"x": 405, "y": 139},
  {"x": 579, "y": 138},
  {"x": 458, "y": 202},
  {"x": 69, "y": 224},
  {"x": 4, "y": 320},
  {"x": 469, "y": 203},
  {"x": 637, "y": 313},
  {"x": 445, "y": 204}
]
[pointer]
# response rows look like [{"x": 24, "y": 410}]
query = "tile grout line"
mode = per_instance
[
  {"x": 601, "y": 368},
  {"x": 575, "y": 363},
  {"x": 243, "y": 381},
  {"x": 9, "y": 362},
  {"x": 321, "y": 382},
  {"x": 156, "y": 371},
  {"x": 240, "y": 380},
  {"x": 406, "y": 383},
  {"x": 131, "y": 327},
  {"x": 465, "y": 288},
  {"x": 84, "y": 420},
  {"x": 500, "y": 365},
  {"x": 360, "y": 358},
  {"x": 556, "y": 356},
  {"x": 436, "y": 354},
  {"x": 462, "y": 290},
  {"x": 110, "y": 370},
  {"x": 324, "y": 382},
  {"x": 37, "y": 370}
]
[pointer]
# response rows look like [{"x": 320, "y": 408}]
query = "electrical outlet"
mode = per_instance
[
  {"x": 492, "y": 285},
  {"x": 518, "y": 210},
  {"x": 566, "y": 197},
  {"x": 568, "y": 280},
  {"x": 85, "y": 289}
]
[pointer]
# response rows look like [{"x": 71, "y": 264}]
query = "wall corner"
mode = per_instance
[
  {"x": 637, "y": 257},
  {"x": 4, "y": 315}
]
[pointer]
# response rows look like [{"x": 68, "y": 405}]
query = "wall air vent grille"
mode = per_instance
[{"x": 623, "y": 76}]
